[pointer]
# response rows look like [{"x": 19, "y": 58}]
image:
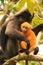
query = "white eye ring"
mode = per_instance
[{"x": 25, "y": 27}]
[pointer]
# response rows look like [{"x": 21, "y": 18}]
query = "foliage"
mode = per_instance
[
  {"x": 2, "y": 1},
  {"x": 36, "y": 21},
  {"x": 41, "y": 4},
  {"x": 22, "y": 62},
  {"x": 41, "y": 37},
  {"x": 30, "y": 63},
  {"x": 34, "y": 63},
  {"x": 31, "y": 7},
  {"x": 21, "y": 3}
]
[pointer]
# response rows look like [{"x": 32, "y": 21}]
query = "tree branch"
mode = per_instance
[
  {"x": 23, "y": 57},
  {"x": 4, "y": 18},
  {"x": 15, "y": 1}
]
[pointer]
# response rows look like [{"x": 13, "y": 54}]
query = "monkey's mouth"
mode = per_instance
[{"x": 24, "y": 29}]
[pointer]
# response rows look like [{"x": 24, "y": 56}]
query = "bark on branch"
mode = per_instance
[{"x": 23, "y": 57}]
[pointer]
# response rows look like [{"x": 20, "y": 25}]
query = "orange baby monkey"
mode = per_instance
[{"x": 26, "y": 29}]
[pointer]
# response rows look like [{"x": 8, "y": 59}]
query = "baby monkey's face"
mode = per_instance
[{"x": 24, "y": 28}]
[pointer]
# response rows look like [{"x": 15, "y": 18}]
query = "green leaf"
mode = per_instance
[
  {"x": 19, "y": 5},
  {"x": 2, "y": 1},
  {"x": 41, "y": 4},
  {"x": 41, "y": 37},
  {"x": 22, "y": 63},
  {"x": 31, "y": 5},
  {"x": 36, "y": 21}
]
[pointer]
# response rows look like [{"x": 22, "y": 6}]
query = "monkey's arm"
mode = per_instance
[
  {"x": 13, "y": 33},
  {"x": 3, "y": 37},
  {"x": 38, "y": 28}
]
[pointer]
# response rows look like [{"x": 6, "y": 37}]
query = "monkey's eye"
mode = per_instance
[{"x": 25, "y": 27}]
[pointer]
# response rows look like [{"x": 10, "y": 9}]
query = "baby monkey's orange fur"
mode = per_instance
[{"x": 30, "y": 35}]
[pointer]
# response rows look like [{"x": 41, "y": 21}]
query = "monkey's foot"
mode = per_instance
[{"x": 36, "y": 50}]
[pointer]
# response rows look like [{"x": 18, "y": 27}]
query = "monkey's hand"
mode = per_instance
[
  {"x": 25, "y": 45},
  {"x": 24, "y": 50},
  {"x": 28, "y": 44},
  {"x": 27, "y": 51}
]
